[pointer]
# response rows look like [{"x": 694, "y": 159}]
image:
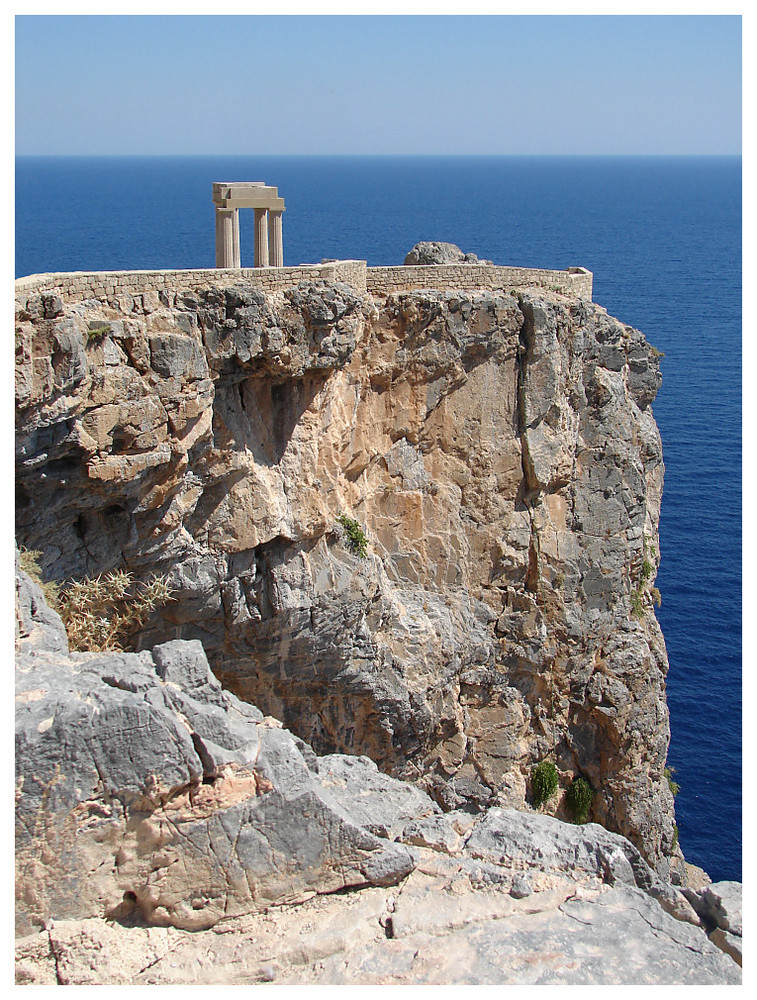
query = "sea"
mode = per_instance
[{"x": 662, "y": 236}]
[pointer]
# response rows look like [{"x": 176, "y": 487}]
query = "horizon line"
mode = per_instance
[{"x": 429, "y": 156}]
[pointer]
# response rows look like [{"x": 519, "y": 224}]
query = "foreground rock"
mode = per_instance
[
  {"x": 719, "y": 907},
  {"x": 499, "y": 452},
  {"x": 151, "y": 804},
  {"x": 437, "y": 928},
  {"x": 142, "y": 787}
]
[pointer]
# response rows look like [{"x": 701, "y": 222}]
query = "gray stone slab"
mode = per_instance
[
  {"x": 371, "y": 799},
  {"x": 619, "y": 937},
  {"x": 507, "y": 836},
  {"x": 143, "y": 785}
]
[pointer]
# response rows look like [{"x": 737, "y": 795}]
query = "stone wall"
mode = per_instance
[
  {"x": 441, "y": 277},
  {"x": 114, "y": 285},
  {"x": 117, "y": 287}
]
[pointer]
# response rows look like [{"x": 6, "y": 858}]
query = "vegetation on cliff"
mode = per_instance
[{"x": 100, "y": 613}]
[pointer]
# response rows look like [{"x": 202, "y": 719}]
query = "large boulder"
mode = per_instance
[
  {"x": 434, "y": 252},
  {"x": 373, "y": 800},
  {"x": 545, "y": 843}
]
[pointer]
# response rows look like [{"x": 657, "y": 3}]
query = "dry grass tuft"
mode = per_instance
[
  {"x": 28, "y": 561},
  {"x": 99, "y": 612}
]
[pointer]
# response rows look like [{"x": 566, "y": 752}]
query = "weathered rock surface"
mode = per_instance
[
  {"x": 501, "y": 455},
  {"x": 434, "y": 929},
  {"x": 37, "y": 624},
  {"x": 542, "y": 842},
  {"x": 151, "y": 804},
  {"x": 719, "y": 904},
  {"x": 371, "y": 799},
  {"x": 719, "y": 909},
  {"x": 143, "y": 786},
  {"x": 434, "y": 252}
]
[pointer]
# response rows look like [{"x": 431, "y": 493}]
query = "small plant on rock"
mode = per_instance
[
  {"x": 578, "y": 799},
  {"x": 645, "y": 576},
  {"x": 637, "y": 604},
  {"x": 675, "y": 788},
  {"x": 97, "y": 331},
  {"x": 543, "y": 781},
  {"x": 356, "y": 539},
  {"x": 99, "y": 612},
  {"x": 28, "y": 561}
]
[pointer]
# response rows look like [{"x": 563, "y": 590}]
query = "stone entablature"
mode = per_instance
[
  {"x": 228, "y": 198},
  {"x": 114, "y": 286}
]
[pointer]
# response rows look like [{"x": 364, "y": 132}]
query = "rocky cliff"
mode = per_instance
[{"x": 499, "y": 453}]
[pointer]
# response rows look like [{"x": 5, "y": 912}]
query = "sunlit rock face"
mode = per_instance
[{"x": 497, "y": 450}]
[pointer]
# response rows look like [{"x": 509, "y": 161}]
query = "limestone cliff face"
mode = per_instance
[{"x": 499, "y": 451}]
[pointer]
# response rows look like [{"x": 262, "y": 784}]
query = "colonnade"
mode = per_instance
[{"x": 228, "y": 198}]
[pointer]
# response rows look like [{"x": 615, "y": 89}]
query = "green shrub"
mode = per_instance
[
  {"x": 356, "y": 539},
  {"x": 97, "y": 331},
  {"x": 675, "y": 839},
  {"x": 675, "y": 788},
  {"x": 637, "y": 604},
  {"x": 543, "y": 781},
  {"x": 645, "y": 575},
  {"x": 578, "y": 799}
]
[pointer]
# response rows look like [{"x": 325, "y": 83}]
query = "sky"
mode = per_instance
[{"x": 253, "y": 85}]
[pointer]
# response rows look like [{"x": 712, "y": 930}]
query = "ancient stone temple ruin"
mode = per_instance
[{"x": 228, "y": 198}]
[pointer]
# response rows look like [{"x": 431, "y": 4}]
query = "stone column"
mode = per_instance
[
  {"x": 275, "y": 239},
  {"x": 237, "y": 259},
  {"x": 227, "y": 238},
  {"x": 261, "y": 237}
]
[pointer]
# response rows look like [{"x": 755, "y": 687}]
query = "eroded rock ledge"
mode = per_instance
[
  {"x": 499, "y": 451},
  {"x": 169, "y": 833}
]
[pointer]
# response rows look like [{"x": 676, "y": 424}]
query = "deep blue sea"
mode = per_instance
[{"x": 663, "y": 238}]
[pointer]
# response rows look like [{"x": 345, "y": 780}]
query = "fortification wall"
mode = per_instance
[
  {"x": 114, "y": 285},
  {"x": 118, "y": 287},
  {"x": 442, "y": 277}
]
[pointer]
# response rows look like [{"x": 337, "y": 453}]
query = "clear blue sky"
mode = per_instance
[{"x": 378, "y": 84}]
